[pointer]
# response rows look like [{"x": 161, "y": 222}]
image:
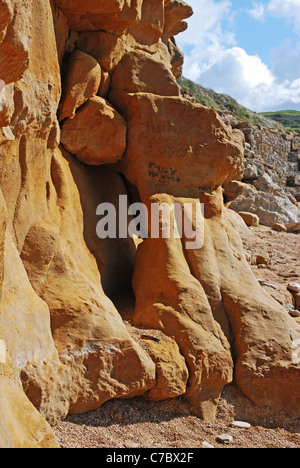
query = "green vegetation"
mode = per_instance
[
  {"x": 224, "y": 104},
  {"x": 290, "y": 119}
]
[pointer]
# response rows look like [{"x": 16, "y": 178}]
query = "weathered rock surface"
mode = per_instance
[
  {"x": 21, "y": 425},
  {"x": 91, "y": 6},
  {"x": 171, "y": 370},
  {"x": 279, "y": 227},
  {"x": 232, "y": 190},
  {"x": 97, "y": 133},
  {"x": 175, "y": 12},
  {"x": 138, "y": 72},
  {"x": 293, "y": 227},
  {"x": 270, "y": 208},
  {"x": 235, "y": 302},
  {"x": 159, "y": 165},
  {"x": 82, "y": 81},
  {"x": 120, "y": 106},
  {"x": 87, "y": 330},
  {"x": 170, "y": 298},
  {"x": 271, "y": 172},
  {"x": 15, "y": 39},
  {"x": 249, "y": 218},
  {"x": 109, "y": 54}
]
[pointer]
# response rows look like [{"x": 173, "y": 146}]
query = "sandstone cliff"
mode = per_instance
[{"x": 91, "y": 110}]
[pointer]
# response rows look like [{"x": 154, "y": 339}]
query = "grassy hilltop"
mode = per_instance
[
  {"x": 290, "y": 119},
  {"x": 285, "y": 120}
]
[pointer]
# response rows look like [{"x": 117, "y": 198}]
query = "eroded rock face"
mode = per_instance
[
  {"x": 96, "y": 134},
  {"x": 270, "y": 207},
  {"x": 21, "y": 426},
  {"x": 107, "y": 70},
  {"x": 170, "y": 298},
  {"x": 269, "y": 177},
  {"x": 159, "y": 165},
  {"x": 82, "y": 82}
]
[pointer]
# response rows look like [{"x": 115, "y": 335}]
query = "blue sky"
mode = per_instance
[{"x": 247, "y": 49}]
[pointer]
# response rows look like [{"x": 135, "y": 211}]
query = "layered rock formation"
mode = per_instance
[
  {"x": 271, "y": 174},
  {"x": 89, "y": 84}
]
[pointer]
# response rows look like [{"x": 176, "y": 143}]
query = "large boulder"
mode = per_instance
[
  {"x": 82, "y": 81},
  {"x": 270, "y": 208},
  {"x": 211, "y": 151},
  {"x": 97, "y": 133},
  {"x": 171, "y": 369},
  {"x": 140, "y": 72},
  {"x": 111, "y": 51}
]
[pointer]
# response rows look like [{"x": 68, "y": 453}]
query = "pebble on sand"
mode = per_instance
[
  {"x": 224, "y": 439},
  {"x": 241, "y": 425},
  {"x": 269, "y": 285},
  {"x": 207, "y": 445},
  {"x": 295, "y": 287}
]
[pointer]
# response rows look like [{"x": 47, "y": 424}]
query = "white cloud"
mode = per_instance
[
  {"x": 206, "y": 24},
  {"x": 238, "y": 71},
  {"x": 206, "y": 38},
  {"x": 258, "y": 11},
  {"x": 249, "y": 81},
  {"x": 214, "y": 60},
  {"x": 280, "y": 9},
  {"x": 286, "y": 61}
]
